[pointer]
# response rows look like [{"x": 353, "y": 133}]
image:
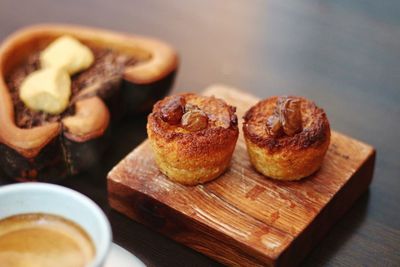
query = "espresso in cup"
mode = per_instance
[
  {"x": 49, "y": 225},
  {"x": 39, "y": 239}
]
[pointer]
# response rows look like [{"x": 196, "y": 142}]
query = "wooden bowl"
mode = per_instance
[{"x": 56, "y": 149}]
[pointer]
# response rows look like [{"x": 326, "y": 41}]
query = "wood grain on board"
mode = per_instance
[{"x": 243, "y": 217}]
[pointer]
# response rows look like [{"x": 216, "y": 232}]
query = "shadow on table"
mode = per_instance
[{"x": 339, "y": 234}]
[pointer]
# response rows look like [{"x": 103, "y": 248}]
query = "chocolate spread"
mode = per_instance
[{"x": 108, "y": 64}]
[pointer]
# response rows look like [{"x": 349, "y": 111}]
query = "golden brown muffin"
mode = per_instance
[
  {"x": 286, "y": 137},
  {"x": 192, "y": 137}
]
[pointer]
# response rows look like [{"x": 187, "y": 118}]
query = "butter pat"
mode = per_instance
[
  {"x": 67, "y": 53},
  {"x": 46, "y": 90}
]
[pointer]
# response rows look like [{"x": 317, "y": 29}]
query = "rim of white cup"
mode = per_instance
[{"x": 101, "y": 249}]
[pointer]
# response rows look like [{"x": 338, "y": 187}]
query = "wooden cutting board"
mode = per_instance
[{"x": 243, "y": 218}]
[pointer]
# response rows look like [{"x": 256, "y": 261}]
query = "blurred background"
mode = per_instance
[{"x": 344, "y": 54}]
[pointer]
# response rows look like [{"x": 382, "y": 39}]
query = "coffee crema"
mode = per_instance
[{"x": 39, "y": 239}]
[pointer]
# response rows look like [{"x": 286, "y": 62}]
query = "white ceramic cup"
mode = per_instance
[{"x": 54, "y": 199}]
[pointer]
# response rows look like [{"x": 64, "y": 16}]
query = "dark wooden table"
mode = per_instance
[{"x": 344, "y": 54}]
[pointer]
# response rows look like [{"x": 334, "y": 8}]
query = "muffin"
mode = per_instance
[
  {"x": 286, "y": 137},
  {"x": 192, "y": 137}
]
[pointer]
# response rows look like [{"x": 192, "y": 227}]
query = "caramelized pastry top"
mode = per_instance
[
  {"x": 286, "y": 122},
  {"x": 187, "y": 116}
]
